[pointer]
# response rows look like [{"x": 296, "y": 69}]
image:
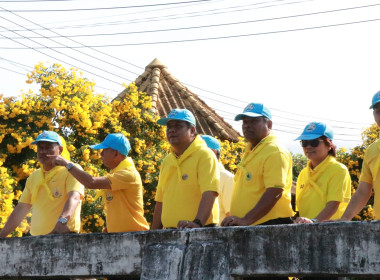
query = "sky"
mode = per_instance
[{"x": 307, "y": 60}]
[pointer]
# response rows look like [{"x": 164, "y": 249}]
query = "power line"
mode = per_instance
[
  {"x": 108, "y": 8},
  {"x": 183, "y": 15},
  {"x": 208, "y": 38},
  {"x": 206, "y": 26},
  {"x": 12, "y": 71},
  {"x": 29, "y": 37},
  {"x": 34, "y": 48}
]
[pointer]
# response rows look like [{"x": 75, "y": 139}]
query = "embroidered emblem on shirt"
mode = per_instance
[
  {"x": 302, "y": 186},
  {"x": 109, "y": 196},
  {"x": 249, "y": 176},
  {"x": 56, "y": 193},
  {"x": 185, "y": 176}
]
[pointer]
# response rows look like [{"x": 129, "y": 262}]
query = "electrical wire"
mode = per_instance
[{"x": 108, "y": 8}]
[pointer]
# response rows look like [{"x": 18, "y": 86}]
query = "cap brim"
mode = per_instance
[
  {"x": 163, "y": 121},
  {"x": 247, "y": 114},
  {"x": 98, "y": 146},
  {"x": 373, "y": 105},
  {"x": 308, "y": 137},
  {"x": 44, "y": 140}
]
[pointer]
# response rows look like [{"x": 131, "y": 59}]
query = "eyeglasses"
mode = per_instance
[{"x": 314, "y": 143}]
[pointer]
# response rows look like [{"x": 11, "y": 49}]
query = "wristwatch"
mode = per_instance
[
  {"x": 62, "y": 220},
  {"x": 198, "y": 222},
  {"x": 315, "y": 220},
  {"x": 69, "y": 165}
]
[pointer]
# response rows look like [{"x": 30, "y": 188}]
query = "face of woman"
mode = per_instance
[{"x": 315, "y": 150}]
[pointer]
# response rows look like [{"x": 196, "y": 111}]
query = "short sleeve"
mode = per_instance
[
  {"x": 26, "y": 196},
  {"x": 208, "y": 172},
  {"x": 366, "y": 174},
  {"x": 73, "y": 184},
  {"x": 339, "y": 186},
  {"x": 276, "y": 170},
  {"x": 123, "y": 179}
]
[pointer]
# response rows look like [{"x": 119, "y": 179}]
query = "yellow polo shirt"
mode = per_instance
[
  {"x": 46, "y": 211},
  {"x": 370, "y": 164},
  {"x": 329, "y": 181},
  {"x": 267, "y": 165},
  {"x": 124, "y": 201},
  {"x": 182, "y": 182}
]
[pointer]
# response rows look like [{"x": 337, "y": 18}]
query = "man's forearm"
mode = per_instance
[
  {"x": 205, "y": 206},
  {"x": 15, "y": 218},
  {"x": 157, "y": 223},
  {"x": 358, "y": 201},
  {"x": 71, "y": 205},
  {"x": 264, "y": 205}
]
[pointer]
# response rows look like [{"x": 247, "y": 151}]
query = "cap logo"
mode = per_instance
[
  {"x": 249, "y": 108},
  {"x": 44, "y": 134},
  {"x": 378, "y": 94},
  {"x": 311, "y": 127},
  {"x": 173, "y": 114}
]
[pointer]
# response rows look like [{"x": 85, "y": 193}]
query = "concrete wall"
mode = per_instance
[{"x": 344, "y": 249}]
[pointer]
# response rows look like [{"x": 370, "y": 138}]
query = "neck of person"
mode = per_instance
[
  {"x": 315, "y": 163},
  {"x": 181, "y": 148},
  {"x": 48, "y": 166},
  {"x": 255, "y": 142},
  {"x": 116, "y": 162}
]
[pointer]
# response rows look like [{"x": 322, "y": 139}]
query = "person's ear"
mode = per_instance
[
  {"x": 60, "y": 149},
  {"x": 269, "y": 123}
]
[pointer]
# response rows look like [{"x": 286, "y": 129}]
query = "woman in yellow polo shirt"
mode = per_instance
[{"x": 324, "y": 185}]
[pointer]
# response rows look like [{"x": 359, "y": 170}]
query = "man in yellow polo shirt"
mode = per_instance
[
  {"x": 369, "y": 177},
  {"x": 123, "y": 186},
  {"x": 189, "y": 177},
  {"x": 261, "y": 194},
  {"x": 52, "y": 193}
]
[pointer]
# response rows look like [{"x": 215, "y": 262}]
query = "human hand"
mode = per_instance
[
  {"x": 60, "y": 229},
  {"x": 303, "y": 220},
  {"x": 187, "y": 224},
  {"x": 58, "y": 160},
  {"x": 234, "y": 221}
]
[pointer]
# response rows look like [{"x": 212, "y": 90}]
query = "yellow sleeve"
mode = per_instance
[
  {"x": 339, "y": 186},
  {"x": 73, "y": 184},
  {"x": 208, "y": 172},
  {"x": 276, "y": 170},
  {"x": 124, "y": 179},
  {"x": 26, "y": 196},
  {"x": 366, "y": 174}
]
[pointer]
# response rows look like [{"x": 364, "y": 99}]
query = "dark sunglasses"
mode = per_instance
[{"x": 314, "y": 143}]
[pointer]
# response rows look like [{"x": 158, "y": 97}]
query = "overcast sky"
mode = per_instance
[{"x": 307, "y": 60}]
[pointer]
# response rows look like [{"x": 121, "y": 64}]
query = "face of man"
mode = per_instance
[
  {"x": 47, "y": 148},
  {"x": 109, "y": 157},
  {"x": 255, "y": 129},
  {"x": 179, "y": 133},
  {"x": 376, "y": 114}
]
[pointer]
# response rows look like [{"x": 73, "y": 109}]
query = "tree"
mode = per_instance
[{"x": 68, "y": 105}]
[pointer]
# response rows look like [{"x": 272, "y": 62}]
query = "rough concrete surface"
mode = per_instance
[{"x": 344, "y": 249}]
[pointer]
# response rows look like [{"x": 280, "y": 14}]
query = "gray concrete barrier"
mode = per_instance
[{"x": 336, "y": 249}]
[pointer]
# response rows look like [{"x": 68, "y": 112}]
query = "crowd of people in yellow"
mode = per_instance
[{"x": 194, "y": 190}]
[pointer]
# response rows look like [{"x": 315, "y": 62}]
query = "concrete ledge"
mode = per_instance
[{"x": 340, "y": 249}]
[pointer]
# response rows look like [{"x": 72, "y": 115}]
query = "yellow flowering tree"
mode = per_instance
[{"x": 67, "y": 104}]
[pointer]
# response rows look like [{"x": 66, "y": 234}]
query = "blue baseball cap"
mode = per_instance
[
  {"x": 211, "y": 142},
  {"x": 179, "y": 115},
  {"x": 116, "y": 141},
  {"x": 48, "y": 136},
  {"x": 315, "y": 130},
  {"x": 375, "y": 99},
  {"x": 254, "y": 110}
]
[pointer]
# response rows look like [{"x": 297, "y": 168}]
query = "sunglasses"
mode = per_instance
[{"x": 314, "y": 143}]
